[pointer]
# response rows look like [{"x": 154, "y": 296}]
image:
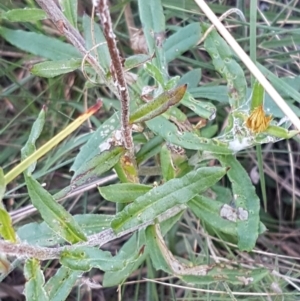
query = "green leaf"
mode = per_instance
[
  {"x": 60, "y": 285},
  {"x": 258, "y": 96},
  {"x": 153, "y": 21},
  {"x": 35, "y": 133},
  {"x": 166, "y": 163},
  {"x": 136, "y": 60},
  {"x": 280, "y": 132},
  {"x": 133, "y": 253},
  {"x": 208, "y": 211},
  {"x": 135, "y": 250},
  {"x": 223, "y": 61},
  {"x": 158, "y": 106},
  {"x": 164, "y": 128},
  {"x": 56, "y": 217},
  {"x": 97, "y": 165},
  {"x": 38, "y": 44},
  {"x": 191, "y": 78},
  {"x": 34, "y": 287},
  {"x": 123, "y": 193},
  {"x": 39, "y": 234},
  {"x": 69, "y": 9},
  {"x": 155, "y": 73},
  {"x": 246, "y": 202},
  {"x": 92, "y": 169},
  {"x": 159, "y": 199},
  {"x": 51, "y": 69},
  {"x": 91, "y": 148},
  {"x": 85, "y": 258},
  {"x": 94, "y": 36},
  {"x": 201, "y": 108},
  {"x": 219, "y": 93},
  {"x": 156, "y": 255},
  {"x": 6, "y": 229},
  {"x": 24, "y": 15},
  {"x": 149, "y": 149},
  {"x": 183, "y": 40},
  {"x": 232, "y": 275}
]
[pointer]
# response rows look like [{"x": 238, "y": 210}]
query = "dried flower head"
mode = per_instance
[{"x": 258, "y": 121}]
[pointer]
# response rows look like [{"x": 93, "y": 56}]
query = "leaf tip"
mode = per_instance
[{"x": 94, "y": 108}]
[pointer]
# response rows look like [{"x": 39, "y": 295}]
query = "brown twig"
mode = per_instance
[{"x": 116, "y": 69}]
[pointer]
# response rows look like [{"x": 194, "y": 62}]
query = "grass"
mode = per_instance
[{"x": 271, "y": 40}]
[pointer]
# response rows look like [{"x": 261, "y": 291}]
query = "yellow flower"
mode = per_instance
[{"x": 258, "y": 122}]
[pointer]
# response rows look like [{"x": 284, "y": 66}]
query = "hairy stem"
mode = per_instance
[
  {"x": 117, "y": 70},
  {"x": 43, "y": 253}
]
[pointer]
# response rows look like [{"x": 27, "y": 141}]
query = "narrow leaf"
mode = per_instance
[
  {"x": 54, "y": 68},
  {"x": 56, "y": 217},
  {"x": 191, "y": 78},
  {"x": 91, "y": 148},
  {"x": 69, "y": 9},
  {"x": 246, "y": 202},
  {"x": 280, "y": 132},
  {"x": 60, "y": 285},
  {"x": 41, "y": 235},
  {"x": 158, "y": 106},
  {"x": 136, "y": 60},
  {"x": 159, "y": 199},
  {"x": 166, "y": 162},
  {"x": 149, "y": 149},
  {"x": 34, "y": 287},
  {"x": 123, "y": 193},
  {"x": 225, "y": 64},
  {"x": 155, "y": 73},
  {"x": 208, "y": 211},
  {"x": 157, "y": 257},
  {"x": 98, "y": 165},
  {"x": 91, "y": 170},
  {"x": 86, "y": 258},
  {"x": 24, "y": 15},
  {"x": 36, "y": 130},
  {"x": 51, "y": 143},
  {"x": 153, "y": 20},
  {"x": 167, "y": 130},
  {"x": 235, "y": 276},
  {"x": 201, "y": 108},
  {"x": 258, "y": 96},
  {"x": 38, "y": 44},
  {"x": 133, "y": 251},
  {"x": 182, "y": 40},
  {"x": 6, "y": 229}
]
